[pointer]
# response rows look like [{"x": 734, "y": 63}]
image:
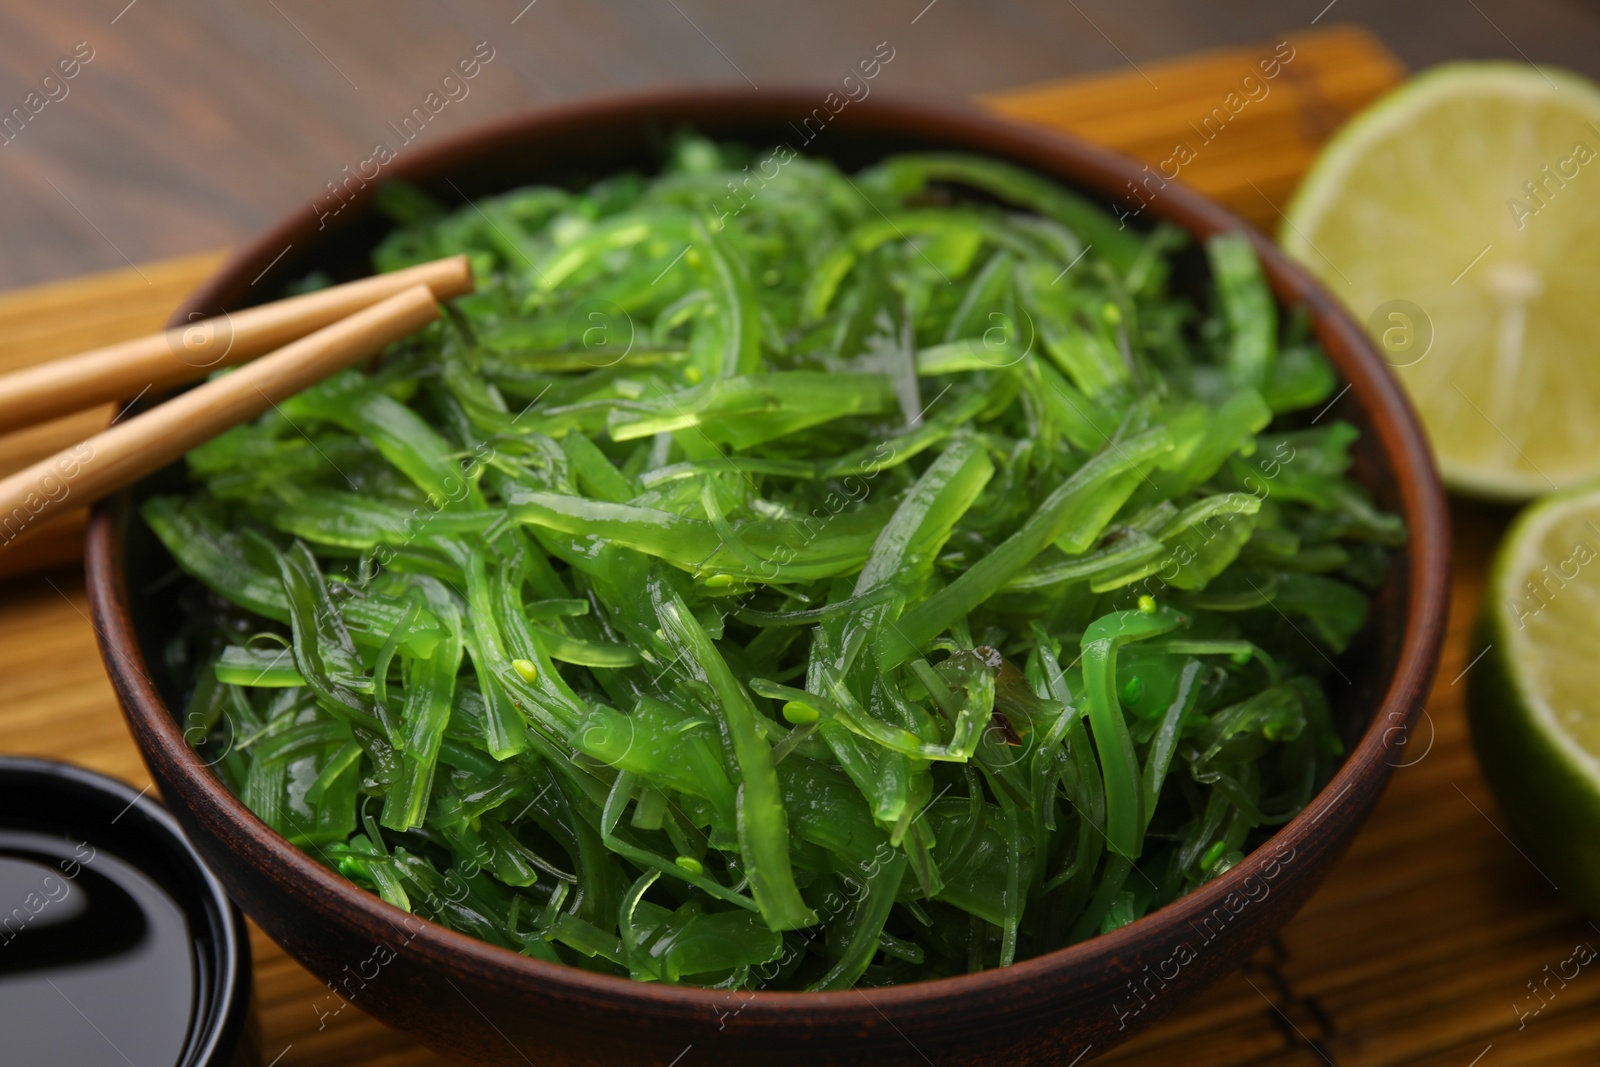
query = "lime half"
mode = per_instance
[
  {"x": 1459, "y": 218},
  {"x": 1533, "y": 701}
]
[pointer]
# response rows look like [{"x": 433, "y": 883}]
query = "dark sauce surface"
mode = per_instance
[{"x": 96, "y": 961}]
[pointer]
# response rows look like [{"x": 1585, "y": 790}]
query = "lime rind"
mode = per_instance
[
  {"x": 1547, "y": 790},
  {"x": 1547, "y": 783},
  {"x": 1522, "y": 555}
]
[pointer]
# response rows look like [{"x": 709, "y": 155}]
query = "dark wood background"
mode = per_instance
[{"x": 197, "y": 121}]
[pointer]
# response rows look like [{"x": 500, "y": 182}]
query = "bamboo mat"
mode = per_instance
[{"x": 1422, "y": 946}]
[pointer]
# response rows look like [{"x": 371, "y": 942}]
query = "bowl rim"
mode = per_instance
[{"x": 1056, "y": 155}]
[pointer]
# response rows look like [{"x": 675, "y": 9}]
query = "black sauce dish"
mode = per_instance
[{"x": 117, "y": 945}]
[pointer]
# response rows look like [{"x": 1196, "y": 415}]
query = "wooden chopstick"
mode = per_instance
[
  {"x": 147, "y": 442},
  {"x": 183, "y": 354}
]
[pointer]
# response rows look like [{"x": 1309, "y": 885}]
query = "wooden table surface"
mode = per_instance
[
  {"x": 1418, "y": 950},
  {"x": 199, "y": 122}
]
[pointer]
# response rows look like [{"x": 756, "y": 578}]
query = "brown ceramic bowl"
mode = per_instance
[{"x": 488, "y": 1005}]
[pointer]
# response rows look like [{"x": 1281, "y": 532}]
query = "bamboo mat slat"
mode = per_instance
[
  {"x": 1251, "y": 135},
  {"x": 1413, "y": 953}
]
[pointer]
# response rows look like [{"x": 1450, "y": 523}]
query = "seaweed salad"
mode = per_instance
[{"x": 776, "y": 577}]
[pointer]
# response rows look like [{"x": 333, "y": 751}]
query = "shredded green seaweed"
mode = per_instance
[{"x": 798, "y": 581}]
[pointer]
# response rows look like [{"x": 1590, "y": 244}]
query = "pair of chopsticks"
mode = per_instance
[{"x": 309, "y": 338}]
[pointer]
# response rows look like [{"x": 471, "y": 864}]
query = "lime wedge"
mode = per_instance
[
  {"x": 1532, "y": 702},
  {"x": 1459, "y": 218}
]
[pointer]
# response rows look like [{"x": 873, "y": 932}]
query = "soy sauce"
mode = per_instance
[{"x": 97, "y": 965}]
